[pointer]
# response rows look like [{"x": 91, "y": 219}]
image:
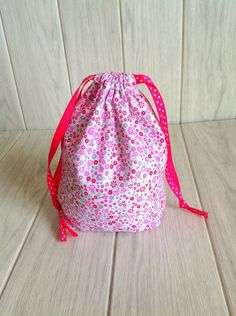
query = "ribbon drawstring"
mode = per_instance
[
  {"x": 63, "y": 228},
  {"x": 183, "y": 204},
  {"x": 54, "y": 181},
  {"x": 170, "y": 171}
]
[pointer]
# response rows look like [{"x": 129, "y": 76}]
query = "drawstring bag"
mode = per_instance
[{"x": 114, "y": 153}]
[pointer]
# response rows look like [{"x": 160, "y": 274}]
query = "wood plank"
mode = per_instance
[
  {"x": 10, "y": 110},
  {"x": 152, "y": 35},
  {"x": 209, "y": 66},
  {"x": 72, "y": 278},
  {"x": 23, "y": 186},
  {"x": 214, "y": 171},
  {"x": 92, "y": 37},
  {"x": 38, "y": 58},
  {"x": 169, "y": 270},
  {"x": 7, "y": 140}
]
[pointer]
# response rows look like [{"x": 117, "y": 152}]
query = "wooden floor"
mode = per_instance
[{"x": 186, "y": 266}]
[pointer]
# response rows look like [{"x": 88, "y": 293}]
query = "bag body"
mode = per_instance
[
  {"x": 113, "y": 159},
  {"x": 115, "y": 153}
]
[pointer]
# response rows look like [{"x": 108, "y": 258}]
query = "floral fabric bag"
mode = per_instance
[{"x": 114, "y": 154}]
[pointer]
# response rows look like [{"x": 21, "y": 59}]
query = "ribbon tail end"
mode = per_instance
[
  {"x": 193, "y": 210},
  {"x": 63, "y": 237}
]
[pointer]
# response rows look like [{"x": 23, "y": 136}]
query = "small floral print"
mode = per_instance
[
  {"x": 89, "y": 163},
  {"x": 91, "y": 130},
  {"x": 114, "y": 157}
]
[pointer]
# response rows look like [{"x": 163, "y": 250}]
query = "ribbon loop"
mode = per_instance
[
  {"x": 54, "y": 181},
  {"x": 170, "y": 171}
]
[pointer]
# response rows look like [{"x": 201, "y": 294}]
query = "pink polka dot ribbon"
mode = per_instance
[
  {"x": 53, "y": 181},
  {"x": 170, "y": 171}
]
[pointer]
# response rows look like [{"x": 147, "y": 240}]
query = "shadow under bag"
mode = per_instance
[{"x": 114, "y": 154}]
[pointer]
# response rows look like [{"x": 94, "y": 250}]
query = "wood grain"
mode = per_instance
[
  {"x": 209, "y": 68},
  {"x": 7, "y": 140},
  {"x": 187, "y": 47},
  {"x": 10, "y": 109},
  {"x": 36, "y": 49},
  {"x": 152, "y": 36},
  {"x": 212, "y": 149},
  {"x": 22, "y": 188},
  {"x": 169, "y": 270},
  {"x": 92, "y": 37},
  {"x": 54, "y": 278}
]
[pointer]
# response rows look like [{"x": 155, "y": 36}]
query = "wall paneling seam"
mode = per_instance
[
  {"x": 116, "y": 234},
  {"x": 63, "y": 44},
  {"x": 182, "y": 65},
  {"x": 122, "y": 35},
  {"x": 12, "y": 69}
]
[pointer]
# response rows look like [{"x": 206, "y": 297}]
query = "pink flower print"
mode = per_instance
[
  {"x": 154, "y": 179},
  {"x": 109, "y": 144},
  {"x": 101, "y": 169},
  {"x": 115, "y": 193},
  {"x": 91, "y": 187},
  {"x": 139, "y": 199},
  {"x": 80, "y": 152},
  {"x": 119, "y": 167},
  {"x": 113, "y": 184},
  {"x": 77, "y": 195},
  {"x": 117, "y": 226},
  {"x": 96, "y": 136},
  {"x": 153, "y": 134},
  {"x": 81, "y": 169},
  {"x": 86, "y": 173},
  {"x": 90, "y": 163},
  {"x": 122, "y": 189},
  {"x": 91, "y": 130},
  {"x": 101, "y": 156},
  {"x": 104, "y": 116},
  {"x": 130, "y": 130}
]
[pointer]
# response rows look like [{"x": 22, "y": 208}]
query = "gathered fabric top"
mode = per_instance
[{"x": 116, "y": 80}]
